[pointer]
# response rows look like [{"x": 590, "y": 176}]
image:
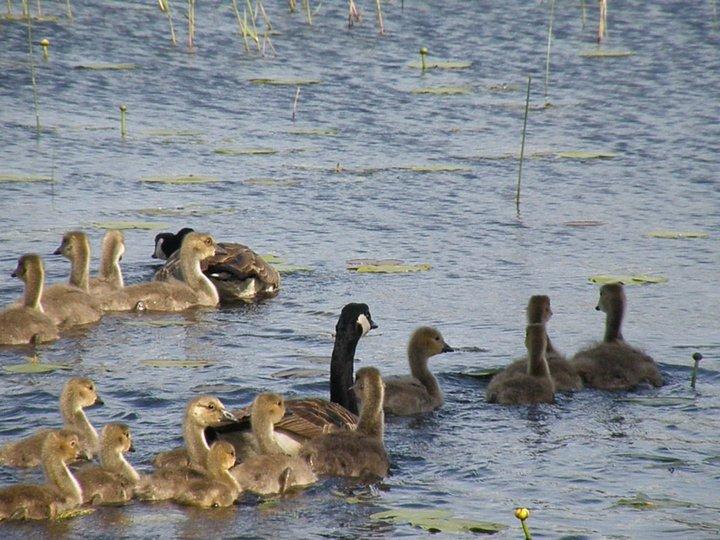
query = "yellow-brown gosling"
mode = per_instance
[
  {"x": 535, "y": 385},
  {"x": 217, "y": 488},
  {"x": 613, "y": 364},
  {"x": 62, "y": 491},
  {"x": 272, "y": 471},
  {"x": 359, "y": 453},
  {"x": 77, "y": 394},
  {"x": 28, "y": 323},
  {"x": 110, "y": 276},
  {"x": 115, "y": 479}
]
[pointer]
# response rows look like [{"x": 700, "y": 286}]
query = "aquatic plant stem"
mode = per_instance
[
  {"x": 32, "y": 76},
  {"x": 583, "y": 11},
  {"x": 68, "y": 10},
  {"x": 123, "y": 122},
  {"x": 191, "y": 24},
  {"x": 522, "y": 514},
  {"x": 295, "y": 103},
  {"x": 715, "y": 14},
  {"x": 308, "y": 15},
  {"x": 39, "y": 9},
  {"x": 9, "y": 7},
  {"x": 522, "y": 145},
  {"x": 378, "y": 9},
  {"x": 693, "y": 378},
  {"x": 602, "y": 23},
  {"x": 165, "y": 8},
  {"x": 423, "y": 54},
  {"x": 549, "y": 43},
  {"x": 353, "y": 14}
]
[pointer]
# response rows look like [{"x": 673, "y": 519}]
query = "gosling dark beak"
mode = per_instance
[
  {"x": 154, "y": 256},
  {"x": 227, "y": 415},
  {"x": 98, "y": 402},
  {"x": 447, "y": 348},
  {"x": 58, "y": 251},
  {"x": 597, "y": 308},
  {"x": 132, "y": 448},
  {"x": 14, "y": 273}
]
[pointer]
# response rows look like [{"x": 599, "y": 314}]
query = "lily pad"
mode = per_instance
[
  {"x": 606, "y": 53},
  {"x": 106, "y": 66},
  {"x": 584, "y": 223},
  {"x": 584, "y": 155},
  {"x": 442, "y": 90},
  {"x": 271, "y": 258},
  {"x": 285, "y": 81},
  {"x": 638, "y": 279},
  {"x": 354, "y": 264},
  {"x": 245, "y": 151},
  {"x": 292, "y": 268},
  {"x": 34, "y": 367},
  {"x": 441, "y": 64},
  {"x": 160, "y": 363},
  {"x": 299, "y": 373},
  {"x": 172, "y": 133},
  {"x": 391, "y": 268},
  {"x": 271, "y": 182},
  {"x": 318, "y": 132},
  {"x": 677, "y": 235},
  {"x": 183, "y": 179},
  {"x": 643, "y": 502},
  {"x": 437, "y": 521},
  {"x": 180, "y": 211},
  {"x": 23, "y": 178},
  {"x": 126, "y": 225}
]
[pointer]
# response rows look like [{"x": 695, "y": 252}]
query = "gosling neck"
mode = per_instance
[
  {"x": 196, "y": 444},
  {"x": 265, "y": 434},
  {"x": 223, "y": 476},
  {"x": 196, "y": 280},
  {"x": 372, "y": 417},
  {"x": 613, "y": 322},
  {"x": 113, "y": 460},
  {"x": 418, "y": 359},
  {"x": 62, "y": 479},
  {"x": 80, "y": 269},
  {"x": 33, "y": 289},
  {"x": 110, "y": 269},
  {"x": 537, "y": 364},
  {"x": 549, "y": 348},
  {"x": 75, "y": 419},
  {"x": 342, "y": 366}
]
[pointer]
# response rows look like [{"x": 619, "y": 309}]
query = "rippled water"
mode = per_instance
[{"x": 571, "y": 463}]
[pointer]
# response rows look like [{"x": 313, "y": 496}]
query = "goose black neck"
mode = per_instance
[{"x": 342, "y": 367}]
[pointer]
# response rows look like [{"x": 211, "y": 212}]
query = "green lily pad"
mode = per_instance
[
  {"x": 437, "y": 521},
  {"x": 271, "y": 258},
  {"x": 440, "y": 64},
  {"x": 584, "y": 223},
  {"x": 318, "y": 132},
  {"x": 22, "y": 178},
  {"x": 391, "y": 268},
  {"x": 160, "y": 363},
  {"x": 34, "y": 367},
  {"x": 442, "y": 90},
  {"x": 483, "y": 373},
  {"x": 584, "y": 155},
  {"x": 183, "y": 179},
  {"x": 606, "y": 53},
  {"x": 245, "y": 151},
  {"x": 299, "y": 373},
  {"x": 106, "y": 66},
  {"x": 291, "y": 268},
  {"x": 271, "y": 182},
  {"x": 285, "y": 81},
  {"x": 677, "y": 235},
  {"x": 643, "y": 502},
  {"x": 126, "y": 225},
  {"x": 638, "y": 279},
  {"x": 354, "y": 264}
]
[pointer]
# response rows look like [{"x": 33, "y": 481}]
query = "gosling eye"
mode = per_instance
[
  {"x": 208, "y": 242},
  {"x": 211, "y": 406},
  {"x": 437, "y": 338}
]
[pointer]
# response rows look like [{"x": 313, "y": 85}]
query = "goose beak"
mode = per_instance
[
  {"x": 597, "y": 308},
  {"x": 132, "y": 448},
  {"x": 58, "y": 251},
  {"x": 227, "y": 415},
  {"x": 98, "y": 402},
  {"x": 14, "y": 273},
  {"x": 447, "y": 348},
  {"x": 373, "y": 326}
]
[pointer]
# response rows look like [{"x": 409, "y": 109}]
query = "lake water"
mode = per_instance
[{"x": 574, "y": 464}]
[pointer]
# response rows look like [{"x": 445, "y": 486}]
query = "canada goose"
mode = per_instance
[
  {"x": 61, "y": 493},
  {"x": 77, "y": 394},
  {"x": 359, "y": 453},
  {"x": 237, "y": 271},
  {"x": 174, "y": 295},
  {"x": 110, "y": 275},
  {"x": 272, "y": 471},
  {"x": 25, "y": 324},
  {"x": 563, "y": 372},
  {"x": 613, "y": 364},
  {"x": 217, "y": 488},
  {"x": 306, "y": 418},
  {"x": 419, "y": 392},
  {"x": 115, "y": 479},
  {"x": 70, "y": 304},
  {"x": 200, "y": 413},
  {"x": 535, "y": 385}
]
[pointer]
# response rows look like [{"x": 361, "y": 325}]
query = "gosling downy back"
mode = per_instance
[{"x": 217, "y": 488}]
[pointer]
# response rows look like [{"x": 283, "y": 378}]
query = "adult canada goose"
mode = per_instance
[
  {"x": 70, "y": 304},
  {"x": 535, "y": 385},
  {"x": 110, "y": 275},
  {"x": 272, "y": 471},
  {"x": 25, "y": 324},
  {"x": 419, "y": 392},
  {"x": 61, "y": 493},
  {"x": 359, "y": 453},
  {"x": 306, "y": 418},
  {"x": 77, "y": 394},
  {"x": 613, "y": 364},
  {"x": 194, "y": 290},
  {"x": 563, "y": 372},
  {"x": 115, "y": 479},
  {"x": 237, "y": 271},
  {"x": 217, "y": 488}
]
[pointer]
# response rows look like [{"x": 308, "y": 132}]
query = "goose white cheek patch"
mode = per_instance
[
  {"x": 158, "y": 249},
  {"x": 364, "y": 323}
]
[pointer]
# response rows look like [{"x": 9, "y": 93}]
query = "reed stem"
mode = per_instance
[
  {"x": 549, "y": 43},
  {"x": 583, "y": 10},
  {"x": 423, "y": 54},
  {"x": 522, "y": 145},
  {"x": 36, "y": 100},
  {"x": 123, "y": 122},
  {"x": 693, "y": 378},
  {"x": 378, "y": 9},
  {"x": 165, "y": 7},
  {"x": 308, "y": 15},
  {"x": 191, "y": 24},
  {"x": 68, "y": 10},
  {"x": 39, "y": 9},
  {"x": 295, "y": 103},
  {"x": 9, "y": 7}
]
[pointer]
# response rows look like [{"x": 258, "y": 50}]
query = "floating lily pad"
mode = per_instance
[
  {"x": 285, "y": 81},
  {"x": 245, "y": 151},
  {"x": 643, "y": 502},
  {"x": 483, "y": 373},
  {"x": 440, "y": 167},
  {"x": 299, "y": 373},
  {"x": 291, "y": 268},
  {"x": 183, "y": 179},
  {"x": 440, "y": 64},
  {"x": 437, "y": 521},
  {"x": 606, "y": 53},
  {"x": 159, "y": 363},
  {"x": 271, "y": 258},
  {"x": 354, "y": 264},
  {"x": 271, "y": 182},
  {"x": 677, "y": 235},
  {"x": 584, "y": 223},
  {"x": 318, "y": 132},
  {"x": 584, "y": 155},
  {"x": 22, "y": 178},
  {"x": 34, "y": 367},
  {"x": 391, "y": 268},
  {"x": 106, "y": 66},
  {"x": 651, "y": 401},
  {"x": 442, "y": 90},
  {"x": 126, "y": 225},
  {"x": 638, "y": 279},
  {"x": 171, "y": 133}
]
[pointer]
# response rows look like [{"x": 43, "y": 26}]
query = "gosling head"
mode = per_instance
[
  {"x": 82, "y": 392},
  {"x": 221, "y": 455},
  {"x": 355, "y": 320},
  {"x": 74, "y": 244},
  {"x": 27, "y": 265},
  {"x": 207, "y": 411},
  {"x": 117, "y": 436},
  {"x": 429, "y": 340},
  {"x": 270, "y": 406},
  {"x": 538, "y": 309},
  {"x": 198, "y": 245},
  {"x": 612, "y": 295},
  {"x": 62, "y": 443},
  {"x": 369, "y": 385},
  {"x": 114, "y": 243},
  {"x": 535, "y": 339}
]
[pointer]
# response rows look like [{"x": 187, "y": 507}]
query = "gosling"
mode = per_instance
[{"x": 217, "y": 488}]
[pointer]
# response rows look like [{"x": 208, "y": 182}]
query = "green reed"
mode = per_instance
[
  {"x": 522, "y": 146},
  {"x": 696, "y": 358},
  {"x": 549, "y": 42}
]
